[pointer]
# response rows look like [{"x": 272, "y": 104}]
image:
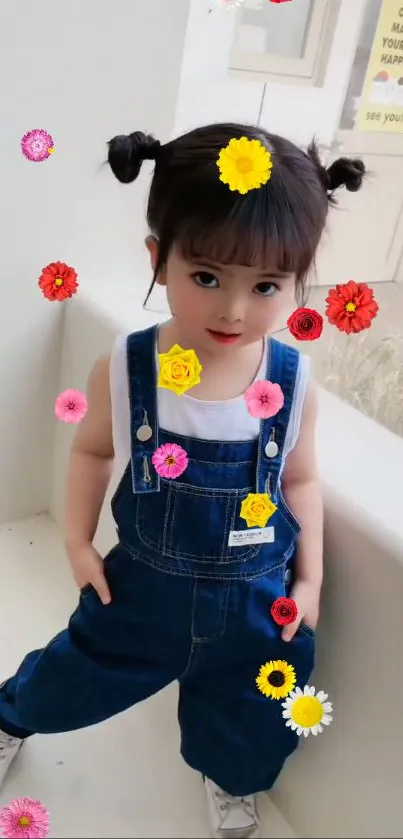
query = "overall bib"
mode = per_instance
[{"x": 187, "y": 603}]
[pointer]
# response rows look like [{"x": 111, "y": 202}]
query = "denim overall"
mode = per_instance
[{"x": 186, "y": 605}]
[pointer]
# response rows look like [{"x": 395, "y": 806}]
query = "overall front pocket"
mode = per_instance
[{"x": 190, "y": 522}]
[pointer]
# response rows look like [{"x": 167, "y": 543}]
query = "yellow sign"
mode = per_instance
[{"x": 381, "y": 107}]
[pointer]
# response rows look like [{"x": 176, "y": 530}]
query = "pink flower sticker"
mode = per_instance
[
  {"x": 37, "y": 145},
  {"x": 24, "y": 818},
  {"x": 170, "y": 460},
  {"x": 264, "y": 399},
  {"x": 71, "y": 406}
]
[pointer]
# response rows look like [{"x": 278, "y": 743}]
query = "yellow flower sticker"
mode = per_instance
[
  {"x": 276, "y": 679},
  {"x": 256, "y": 509},
  {"x": 244, "y": 164},
  {"x": 179, "y": 369}
]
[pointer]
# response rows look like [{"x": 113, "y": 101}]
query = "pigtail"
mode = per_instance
[{"x": 126, "y": 153}]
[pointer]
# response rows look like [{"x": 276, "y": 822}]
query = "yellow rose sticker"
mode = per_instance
[
  {"x": 256, "y": 509},
  {"x": 179, "y": 369}
]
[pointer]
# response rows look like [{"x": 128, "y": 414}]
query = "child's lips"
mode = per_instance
[{"x": 224, "y": 337}]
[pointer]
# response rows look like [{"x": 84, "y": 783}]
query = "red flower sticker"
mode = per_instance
[
  {"x": 305, "y": 324},
  {"x": 279, "y": 1},
  {"x": 284, "y": 611},
  {"x": 58, "y": 281},
  {"x": 351, "y": 307}
]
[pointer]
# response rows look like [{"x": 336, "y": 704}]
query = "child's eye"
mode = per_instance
[
  {"x": 205, "y": 279},
  {"x": 266, "y": 289}
]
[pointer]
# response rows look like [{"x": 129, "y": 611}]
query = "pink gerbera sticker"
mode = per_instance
[
  {"x": 170, "y": 460},
  {"x": 71, "y": 406},
  {"x": 24, "y": 818},
  {"x": 264, "y": 399},
  {"x": 37, "y": 145}
]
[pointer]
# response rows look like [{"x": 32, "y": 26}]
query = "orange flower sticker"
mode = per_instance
[
  {"x": 58, "y": 281},
  {"x": 351, "y": 307}
]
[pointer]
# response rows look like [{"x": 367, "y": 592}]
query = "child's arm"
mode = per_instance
[
  {"x": 87, "y": 481},
  {"x": 301, "y": 488}
]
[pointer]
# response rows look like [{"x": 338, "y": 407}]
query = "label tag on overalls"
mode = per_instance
[{"x": 251, "y": 537}]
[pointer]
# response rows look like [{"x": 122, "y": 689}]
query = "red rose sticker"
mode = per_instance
[
  {"x": 305, "y": 324},
  {"x": 284, "y": 611}
]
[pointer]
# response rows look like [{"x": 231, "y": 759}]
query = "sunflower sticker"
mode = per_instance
[
  {"x": 244, "y": 165},
  {"x": 276, "y": 679}
]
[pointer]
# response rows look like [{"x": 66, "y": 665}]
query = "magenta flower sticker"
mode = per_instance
[
  {"x": 264, "y": 399},
  {"x": 24, "y": 818},
  {"x": 71, "y": 406},
  {"x": 170, "y": 460},
  {"x": 37, "y": 145}
]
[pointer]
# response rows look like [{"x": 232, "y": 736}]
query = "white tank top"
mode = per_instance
[{"x": 227, "y": 420}]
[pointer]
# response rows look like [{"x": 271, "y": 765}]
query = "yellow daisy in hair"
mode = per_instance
[
  {"x": 276, "y": 679},
  {"x": 306, "y": 713},
  {"x": 244, "y": 164}
]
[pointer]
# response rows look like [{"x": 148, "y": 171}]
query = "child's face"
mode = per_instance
[{"x": 218, "y": 306}]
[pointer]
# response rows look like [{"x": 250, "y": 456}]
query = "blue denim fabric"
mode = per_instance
[{"x": 186, "y": 606}]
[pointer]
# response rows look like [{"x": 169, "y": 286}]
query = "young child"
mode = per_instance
[{"x": 227, "y": 517}]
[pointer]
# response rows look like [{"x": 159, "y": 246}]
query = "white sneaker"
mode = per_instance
[
  {"x": 231, "y": 816},
  {"x": 9, "y": 748}
]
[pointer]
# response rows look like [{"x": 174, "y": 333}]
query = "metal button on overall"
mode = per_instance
[
  {"x": 271, "y": 449},
  {"x": 144, "y": 433}
]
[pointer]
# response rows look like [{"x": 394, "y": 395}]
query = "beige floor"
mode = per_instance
[{"x": 124, "y": 778}]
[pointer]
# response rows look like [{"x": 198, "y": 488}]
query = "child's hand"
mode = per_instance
[
  {"x": 307, "y": 597},
  {"x": 88, "y": 569}
]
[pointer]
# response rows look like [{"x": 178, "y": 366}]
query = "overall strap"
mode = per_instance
[
  {"x": 282, "y": 367},
  {"x": 142, "y": 376}
]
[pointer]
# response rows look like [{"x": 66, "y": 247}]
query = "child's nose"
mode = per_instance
[{"x": 232, "y": 311}]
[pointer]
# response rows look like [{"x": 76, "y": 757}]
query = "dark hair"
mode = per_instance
[{"x": 280, "y": 223}]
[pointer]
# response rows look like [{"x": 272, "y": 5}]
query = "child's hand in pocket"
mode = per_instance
[
  {"x": 307, "y": 598},
  {"x": 88, "y": 569}
]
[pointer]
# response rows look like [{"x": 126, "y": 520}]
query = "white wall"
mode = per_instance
[
  {"x": 84, "y": 71},
  {"x": 89, "y": 331},
  {"x": 207, "y": 93}
]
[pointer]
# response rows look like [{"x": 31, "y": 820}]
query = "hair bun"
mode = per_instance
[
  {"x": 345, "y": 172},
  {"x": 126, "y": 153}
]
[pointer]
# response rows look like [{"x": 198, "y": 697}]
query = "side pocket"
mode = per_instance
[
  {"x": 288, "y": 580},
  {"x": 84, "y": 592},
  {"x": 307, "y": 630}
]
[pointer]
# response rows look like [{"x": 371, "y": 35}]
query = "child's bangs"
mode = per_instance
[{"x": 252, "y": 234}]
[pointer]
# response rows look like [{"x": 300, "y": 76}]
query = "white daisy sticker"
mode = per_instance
[
  {"x": 228, "y": 4},
  {"x": 306, "y": 713}
]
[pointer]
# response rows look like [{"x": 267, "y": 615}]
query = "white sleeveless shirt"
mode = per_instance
[{"x": 227, "y": 420}]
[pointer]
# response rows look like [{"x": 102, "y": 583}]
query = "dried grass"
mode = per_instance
[{"x": 369, "y": 377}]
